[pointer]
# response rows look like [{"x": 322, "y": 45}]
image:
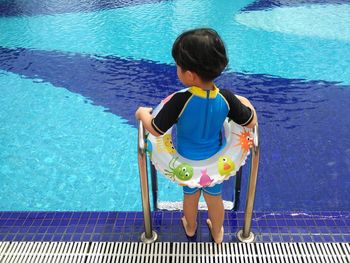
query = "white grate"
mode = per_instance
[{"x": 104, "y": 252}]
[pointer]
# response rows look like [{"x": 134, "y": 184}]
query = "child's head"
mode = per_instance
[{"x": 201, "y": 51}]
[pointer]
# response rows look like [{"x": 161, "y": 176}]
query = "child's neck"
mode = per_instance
[{"x": 205, "y": 85}]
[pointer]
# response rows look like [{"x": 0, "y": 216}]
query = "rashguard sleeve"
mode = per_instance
[
  {"x": 238, "y": 112},
  {"x": 170, "y": 112}
]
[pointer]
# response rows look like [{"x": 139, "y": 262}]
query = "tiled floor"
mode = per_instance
[{"x": 128, "y": 226}]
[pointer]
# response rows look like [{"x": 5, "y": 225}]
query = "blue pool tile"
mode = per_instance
[
  {"x": 51, "y": 230},
  {"x": 297, "y": 238},
  {"x": 42, "y": 230},
  {"x": 318, "y": 238},
  {"x": 346, "y": 238},
  {"x": 39, "y": 237},
  {"x": 66, "y": 238},
  {"x": 128, "y": 226},
  {"x": 55, "y": 222},
  {"x": 308, "y": 238},
  {"x": 47, "y": 238},
  {"x": 276, "y": 238},
  {"x": 266, "y": 238}
]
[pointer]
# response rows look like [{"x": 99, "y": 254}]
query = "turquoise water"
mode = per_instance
[
  {"x": 309, "y": 46},
  {"x": 57, "y": 149}
]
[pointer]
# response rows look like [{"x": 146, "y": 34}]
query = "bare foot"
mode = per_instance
[
  {"x": 219, "y": 237},
  {"x": 189, "y": 233}
]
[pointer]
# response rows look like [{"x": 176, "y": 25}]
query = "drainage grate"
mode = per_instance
[{"x": 104, "y": 252}]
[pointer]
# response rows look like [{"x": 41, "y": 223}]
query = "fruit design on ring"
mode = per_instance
[
  {"x": 183, "y": 171},
  {"x": 225, "y": 165}
]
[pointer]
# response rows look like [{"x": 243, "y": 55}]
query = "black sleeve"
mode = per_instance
[
  {"x": 170, "y": 112},
  {"x": 238, "y": 112}
]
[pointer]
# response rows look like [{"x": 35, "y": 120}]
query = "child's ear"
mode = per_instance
[{"x": 191, "y": 75}]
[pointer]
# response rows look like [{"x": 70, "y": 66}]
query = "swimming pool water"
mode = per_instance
[{"x": 70, "y": 88}]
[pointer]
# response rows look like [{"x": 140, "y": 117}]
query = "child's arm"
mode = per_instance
[
  {"x": 247, "y": 103},
  {"x": 144, "y": 114}
]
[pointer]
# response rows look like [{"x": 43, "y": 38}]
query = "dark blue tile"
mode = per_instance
[
  {"x": 120, "y": 222},
  {"x": 290, "y": 222},
  {"x": 131, "y": 215},
  {"x": 42, "y": 229},
  {"x": 310, "y": 223},
  {"x": 64, "y": 222},
  {"x": 66, "y": 238},
  {"x": 297, "y": 238},
  {"x": 60, "y": 230},
  {"x": 262, "y": 223},
  {"x": 4, "y": 230},
  {"x": 344, "y": 230},
  {"x": 338, "y": 238},
  {"x": 51, "y": 229},
  {"x": 95, "y": 215},
  {"x": 266, "y": 238},
  {"x": 46, "y": 223},
  {"x": 330, "y": 222},
  {"x": 32, "y": 229},
  {"x": 85, "y": 215},
  {"x": 98, "y": 229},
  {"x": 19, "y": 237},
  {"x": 271, "y": 222},
  {"x": 300, "y": 223},
  {"x": 346, "y": 238},
  {"x": 308, "y": 238},
  {"x": 339, "y": 222},
  {"x": 121, "y": 215},
  {"x": 318, "y": 238},
  {"x": 91, "y": 229},
  {"x": 47, "y": 237},
  {"x": 56, "y": 238},
  {"x": 76, "y": 237},
  {"x": 85, "y": 238},
  {"x": 276, "y": 238},
  {"x": 320, "y": 222},
  {"x": 281, "y": 222},
  {"x": 139, "y": 215},
  {"x": 80, "y": 229},
  {"x": 28, "y": 237},
  {"x": 39, "y": 237},
  {"x": 70, "y": 229},
  {"x": 55, "y": 222},
  {"x": 83, "y": 221},
  {"x": 112, "y": 215},
  {"x": 328, "y": 238},
  {"x": 74, "y": 221}
]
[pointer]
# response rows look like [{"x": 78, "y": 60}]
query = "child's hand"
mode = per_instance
[{"x": 142, "y": 112}]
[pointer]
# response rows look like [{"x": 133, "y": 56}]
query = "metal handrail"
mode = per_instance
[
  {"x": 245, "y": 235},
  {"x": 149, "y": 236}
]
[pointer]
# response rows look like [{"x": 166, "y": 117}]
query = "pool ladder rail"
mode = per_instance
[{"x": 245, "y": 235}]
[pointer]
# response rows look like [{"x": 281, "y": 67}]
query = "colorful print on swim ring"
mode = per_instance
[{"x": 208, "y": 172}]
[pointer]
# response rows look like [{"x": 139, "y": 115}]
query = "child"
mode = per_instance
[{"x": 199, "y": 113}]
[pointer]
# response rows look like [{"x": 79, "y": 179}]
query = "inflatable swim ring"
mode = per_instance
[{"x": 208, "y": 172}]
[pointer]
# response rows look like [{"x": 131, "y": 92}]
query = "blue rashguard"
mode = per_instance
[{"x": 199, "y": 116}]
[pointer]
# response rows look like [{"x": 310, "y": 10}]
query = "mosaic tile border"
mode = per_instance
[{"x": 128, "y": 226}]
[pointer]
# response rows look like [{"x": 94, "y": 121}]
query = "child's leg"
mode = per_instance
[
  {"x": 216, "y": 214},
  {"x": 190, "y": 207}
]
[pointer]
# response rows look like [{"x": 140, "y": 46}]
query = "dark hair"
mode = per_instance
[{"x": 201, "y": 51}]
